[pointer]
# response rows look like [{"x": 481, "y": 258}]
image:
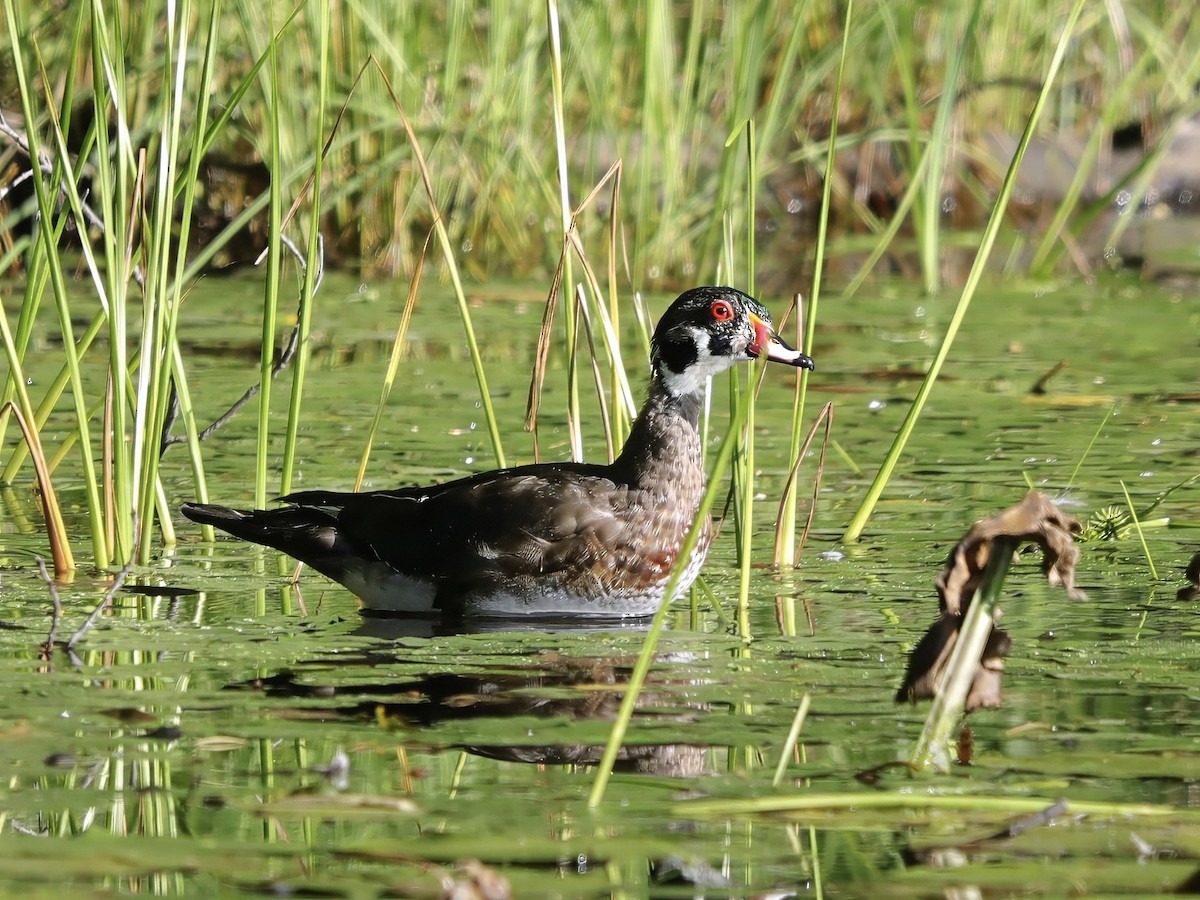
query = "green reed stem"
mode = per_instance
[
  {"x": 903, "y": 44},
  {"x": 785, "y": 538},
  {"x": 570, "y": 307},
  {"x": 1140, "y": 532},
  {"x": 622, "y": 419},
  {"x": 314, "y": 262},
  {"x": 939, "y": 140},
  {"x": 743, "y": 467},
  {"x": 443, "y": 236},
  {"x": 1139, "y": 179},
  {"x": 825, "y": 416},
  {"x": 933, "y": 747},
  {"x": 1087, "y": 451},
  {"x": 176, "y": 369},
  {"x": 637, "y": 678},
  {"x": 389, "y": 378},
  {"x": 47, "y": 208},
  {"x": 162, "y": 269},
  {"x": 744, "y": 479},
  {"x": 793, "y": 736},
  {"x": 35, "y": 286},
  {"x": 884, "y": 242},
  {"x": 663, "y": 107},
  {"x": 274, "y": 268},
  {"x": 114, "y": 180},
  {"x": 1100, "y": 139},
  {"x": 857, "y": 801},
  {"x": 875, "y": 491}
]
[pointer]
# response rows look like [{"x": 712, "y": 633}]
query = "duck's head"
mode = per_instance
[{"x": 707, "y": 330}]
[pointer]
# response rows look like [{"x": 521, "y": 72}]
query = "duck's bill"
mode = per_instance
[{"x": 777, "y": 350}]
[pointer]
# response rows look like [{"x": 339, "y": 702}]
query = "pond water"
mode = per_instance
[{"x": 223, "y": 733}]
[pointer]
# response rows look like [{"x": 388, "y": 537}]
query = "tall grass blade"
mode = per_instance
[
  {"x": 49, "y": 213},
  {"x": 114, "y": 189},
  {"x": 743, "y": 462},
  {"x": 161, "y": 299},
  {"x": 571, "y": 320},
  {"x": 443, "y": 236},
  {"x": 389, "y": 378},
  {"x": 931, "y": 217},
  {"x": 274, "y": 263},
  {"x": 1098, "y": 143},
  {"x": 884, "y": 241},
  {"x": 1140, "y": 532},
  {"x": 786, "y": 522},
  {"x": 623, "y": 407},
  {"x": 314, "y": 267},
  {"x": 789, "y": 489},
  {"x": 177, "y": 380},
  {"x": 863, "y": 514},
  {"x": 637, "y": 677},
  {"x": 1087, "y": 451},
  {"x": 793, "y": 736}
]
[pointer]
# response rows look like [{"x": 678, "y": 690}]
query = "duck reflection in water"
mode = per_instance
[{"x": 553, "y": 686}]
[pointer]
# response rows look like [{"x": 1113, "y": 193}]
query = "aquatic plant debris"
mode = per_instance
[
  {"x": 1034, "y": 520},
  {"x": 1192, "y": 590}
]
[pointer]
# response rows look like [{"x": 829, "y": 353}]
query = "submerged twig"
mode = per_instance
[
  {"x": 1039, "y": 819},
  {"x": 103, "y": 605},
  {"x": 285, "y": 357},
  {"x": 1024, "y": 823},
  {"x": 56, "y": 604},
  {"x": 1039, "y": 386}
]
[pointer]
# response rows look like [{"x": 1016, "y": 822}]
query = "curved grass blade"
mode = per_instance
[
  {"x": 875, "y": 491},
  {"x": 637, "y": 677},
  {"x": 786, "y": 522},
  {"x": 439, "y": 225}
]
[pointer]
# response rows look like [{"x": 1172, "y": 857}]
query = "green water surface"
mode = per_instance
[{"x": 223, "y": 733}]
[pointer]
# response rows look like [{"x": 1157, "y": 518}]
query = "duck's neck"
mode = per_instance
[{"x": 663, "y": 448}]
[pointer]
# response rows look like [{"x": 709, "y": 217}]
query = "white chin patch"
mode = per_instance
[{"x": 694, "y": 379}]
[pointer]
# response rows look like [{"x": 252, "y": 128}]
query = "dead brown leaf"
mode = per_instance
[{"x": 1034, "y": 520}]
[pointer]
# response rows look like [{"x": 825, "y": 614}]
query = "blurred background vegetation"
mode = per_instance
[{"x": 659, "y": 85}]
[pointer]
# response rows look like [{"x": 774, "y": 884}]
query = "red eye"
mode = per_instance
[{"x": 722, "y": 311}]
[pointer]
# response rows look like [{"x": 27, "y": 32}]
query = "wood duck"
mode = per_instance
[{"x": 564, "y": 539}]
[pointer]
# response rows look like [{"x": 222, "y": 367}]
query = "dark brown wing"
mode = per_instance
[{"x": 472, "y": 533}]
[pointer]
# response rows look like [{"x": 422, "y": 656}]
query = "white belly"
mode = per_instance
[{"x": 382, "y": 588}]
